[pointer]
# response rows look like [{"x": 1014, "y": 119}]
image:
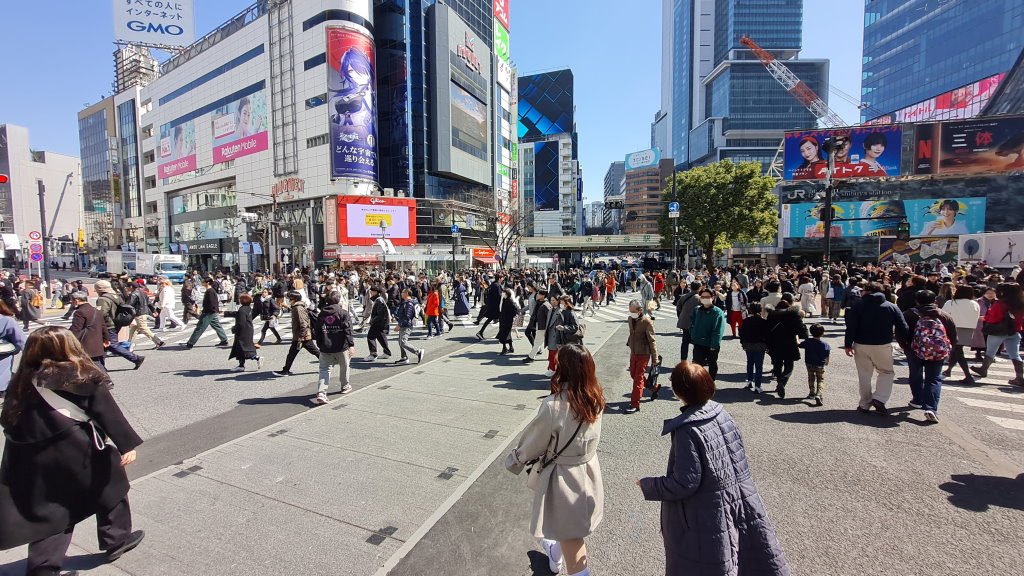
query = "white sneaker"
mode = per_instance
[
  {"x": 930, "y": 416},
  {"x": 370, "y": 358},
  {"x": 549, "y": 373},
  {"x": 385, "y": 357},
  {"x": 321, "y": 398},
  {"x": 346, "y": 389},
  {"x": 556, "y": 562},
  {"x": 238, "y": 369},
  {"x": 259, "y": 362}
]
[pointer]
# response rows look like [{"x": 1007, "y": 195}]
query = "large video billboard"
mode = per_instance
[
  {"x": 970, "y": 146},
  {"x": 352, "y": 103},
  {"x": 545, "y": 176},
  {"x": 177, "y": 153},
  {"x": 171, "y": 23},
  {"x": 545, "y": 105},
  {"x": 864, "y": 153},
  {"x": 916, "y": 251},
  {"x": 930, "y": 217},
  {"x": 240, "y": 127},
  {"x": 359, "y": 219},
  {"x": 964, "y": 102}
]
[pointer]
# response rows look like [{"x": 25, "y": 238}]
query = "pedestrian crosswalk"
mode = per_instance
[
  {"x": 173, "y": 336},
  {"x": 1000, "y": 403}
]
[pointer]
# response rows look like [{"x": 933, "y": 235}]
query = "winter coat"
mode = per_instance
[
  {"x": 731, "y": 306},
  {"x": 166, "y": 300},
  {"x": 461, "y": 300},
  {"x": 754, "y": 333},
  {"x": 965, "y": 313},
  {"x": 266, "y": 309},
  {"x": 433, "y": 304},
  {"x": 107, "y": 303},
  {"x": 645, "y": 289},
  {"x": 405, "y": 315},
  {"x": 569, "y": 498},
  {"x": 11, "y": 332},
  {"x": 707, "y": 327},
  {"x": 784, "y": 327},
  {"x": 301, "y": 329},
  {"x": 685, "y": 306},
  {"x": 87, "y": 325},
  {"x": 380, "y": 316},
  {"x": 52, "y": 475},
  {"x": 872, "y": 320},
  {"x": 506, "y": 318},
  {"x": 642, "y": 340},
  {"x": 713, "y": 520},
  {"x": 211, "y": 302},
  {"x": 28, "y": 311},
  {"x": 492, "y": 301},
  {"x": 242, "y": 347},
  {"x": 553, "y": 336}
]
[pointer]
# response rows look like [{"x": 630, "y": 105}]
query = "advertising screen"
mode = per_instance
[
  {"x": 931, "y": 217},
  {"x": 970, "y": 146},
  {"x": 545, "y": 180},
  {"x": 864, "y": 153},
  {"x": 501, "y": 12},
  {"x": 177, "y": 149},
  {"x": 469, "y": 123},
  {"x": 545, "y": 104},
  {"x": 999, "y": 250},
  {"x": 964, "y": 102},
  {"x": 168, "y": 23},
  {"x": 352, "y": 103},
  {"x": 359, "y": 219},
  {"x": 643, "y": 159},
  {"x": 916, "y": 251},
  {"x": 240, "y": 127}
]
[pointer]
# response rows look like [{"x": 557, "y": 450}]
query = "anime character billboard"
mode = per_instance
[
  {"x": 863, "y": 153},
  {"x": 352, "y": 103}
]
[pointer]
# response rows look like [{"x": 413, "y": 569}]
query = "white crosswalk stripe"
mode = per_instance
[
  {"x": 1010, "y": 423},
  {"x": 998, "y": 395},
  {"x": 1006, "y": 406}
]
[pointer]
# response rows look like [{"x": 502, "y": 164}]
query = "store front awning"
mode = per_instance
[
  {"x": 358, "y": 258},
  {"x": 486, "y": 260}
]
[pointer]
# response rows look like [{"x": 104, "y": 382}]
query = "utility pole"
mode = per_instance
[
  {"x": 46, "y": 239},
  {"x": 831, "y": 148}
]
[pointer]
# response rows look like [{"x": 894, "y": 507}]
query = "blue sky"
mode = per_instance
[{"x": 56, "y": 64}]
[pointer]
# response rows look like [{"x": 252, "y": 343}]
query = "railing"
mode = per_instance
[{"x": 243, "y": 19}]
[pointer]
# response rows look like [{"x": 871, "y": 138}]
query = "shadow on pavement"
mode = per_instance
[
  {"x": 301, "y": 400},
  {"x": 850, "y": 416},
  {"x": 538, "y": 563},
  {"x": 979, "y": 493},
  {"x": 200, "y": 373}
]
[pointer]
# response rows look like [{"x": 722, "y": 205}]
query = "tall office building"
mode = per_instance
[
  {"x": 642, "y": 188},
  {"x": 613, "y": 193},
  {"x": 723, "y": 103},
  {"x": 547, "y": 125},
  {"x": 936, "y": 59}
]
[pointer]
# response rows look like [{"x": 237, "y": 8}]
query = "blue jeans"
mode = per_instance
[
  {"x": 1012, "y": 343},
  {"x": 755, "y": 366},
  {"x": 433, "y": 322},
  {"x": 925, "y": 381}
]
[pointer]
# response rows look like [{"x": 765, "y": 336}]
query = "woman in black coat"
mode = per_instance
[
  {"x": 506, "y": 319},
  {"x": 268, "y": 310},
  {"x": 784, "y": 327},
  {"x": 243, "y": 347},
  {"x": 57, "y": 468}
]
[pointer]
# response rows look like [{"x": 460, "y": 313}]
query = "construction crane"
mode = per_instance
[{"x": 799, "y": 90}]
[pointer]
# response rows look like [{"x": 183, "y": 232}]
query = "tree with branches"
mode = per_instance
[
  {"x": 721, "y": 204},
  {"x": 506, "y": 235}
]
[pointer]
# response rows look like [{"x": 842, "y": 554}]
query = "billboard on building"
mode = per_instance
[
  {"x": 360, "y": 217},
  {"x": 170, "y": 23},
  {"x": 177, "y": 154},
  {"x": 970, "y": 146},
  {"x": 964, "y": 102},
  {"x": 873, "y": 152},
  {"x": 916, "y": 251},
  {"x": 461, "y": 95},
  {"x": 545, "y": 105},
  {"x": 501, "y": 12},
  {"x": 240, "y": 127},
  {"x": 643, "y": 159},
  {"x": 997, "y": 249},
  {"x": 928, "y": 217},
  {"x": 545, "y": 179},
  {"x": 352, "y": 103}
]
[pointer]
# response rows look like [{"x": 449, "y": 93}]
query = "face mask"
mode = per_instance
[
  {"x": 705, "y": 301},
  {"x": 634, "y": 315}
]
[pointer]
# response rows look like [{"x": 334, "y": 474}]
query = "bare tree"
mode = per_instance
[{"x": 507, "y": 233}]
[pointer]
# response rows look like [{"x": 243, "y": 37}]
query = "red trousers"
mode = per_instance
[
  {"x": 638, "y": 371},
  {"x": 735, "y": 320},
  {"x": 552, "y": 359}
]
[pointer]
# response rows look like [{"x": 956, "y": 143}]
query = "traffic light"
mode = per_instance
[
  {"x": 831, "y": 213},
  {"x": 903, "y": 230},
  {"x": 81, "y": 238}
]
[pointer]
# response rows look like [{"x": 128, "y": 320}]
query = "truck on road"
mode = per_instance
[{"x": 170, "y": 266}]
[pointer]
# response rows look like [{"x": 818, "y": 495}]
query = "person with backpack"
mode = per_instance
[
  {"x": 116, "y": 315},
  {"x": 302, "y": 332},
  {"x": 1002, "y": 326},
  {"x": 333, "y": 334},
  {"x": 31, "y": 305},
  {"x": 210, "y": 316},
  {"x": 932, "y": 335},
  {"x": 143, "y": 310}
]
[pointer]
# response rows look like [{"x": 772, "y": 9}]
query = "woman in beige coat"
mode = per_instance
[{"x": 562, "y": 440}]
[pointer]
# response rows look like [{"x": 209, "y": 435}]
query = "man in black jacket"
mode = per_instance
[
  {"x": 380, "y": 320},
  {"x": 869, "y": 335},
  {"x": 333, "y": 333},
  {"x": 492, "y": 304},
  {"x": 210, "y": 316},
  {"x": 539, "y": 323}
]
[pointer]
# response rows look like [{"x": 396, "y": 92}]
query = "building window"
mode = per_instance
[{"x": 315, "y": 141}]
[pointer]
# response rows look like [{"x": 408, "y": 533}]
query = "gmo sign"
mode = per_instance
[{"x": 149, "y": 27}]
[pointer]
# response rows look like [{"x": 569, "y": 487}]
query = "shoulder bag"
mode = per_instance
[
  {"x": 537, "y": 465},
  {"x": 72, "y": 411},
  {"x": 1005, "y": 327}
]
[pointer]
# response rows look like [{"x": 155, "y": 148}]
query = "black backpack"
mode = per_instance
[{"x": 123, "y": 313}]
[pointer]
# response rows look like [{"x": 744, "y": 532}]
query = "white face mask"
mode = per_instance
[
  {"x": 634, "y": 315},
  {"x": 705, "y": 301}
]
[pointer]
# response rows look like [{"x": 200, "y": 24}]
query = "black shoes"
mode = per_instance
[
  {"x": 139, "y": 362},
  {"x": 159, "y": 345},
  {"x": 134, "y": 539},
  {"x": 781, "y": 391},
  {"x": 479, "y": 336},
  {"x": 528, "y": 359},
  {"x": 223, "y": 343},
  {"x": 654, "y": 392},
  {"x": 880, "y": 408}
]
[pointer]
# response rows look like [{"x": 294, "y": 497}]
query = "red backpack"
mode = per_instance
[{"x": 930, "y": 340}]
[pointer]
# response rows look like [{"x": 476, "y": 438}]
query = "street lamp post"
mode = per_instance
[{"x": 383, "y": 244}]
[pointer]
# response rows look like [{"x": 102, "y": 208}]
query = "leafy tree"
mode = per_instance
[{"x": 721, "y": 204}]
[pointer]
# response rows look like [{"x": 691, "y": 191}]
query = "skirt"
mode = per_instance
[{"x": 964, "y": 336}]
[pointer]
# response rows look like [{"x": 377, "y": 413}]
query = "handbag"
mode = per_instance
[
  {"x": 6, "y": 347},
  {"x": 537, "y": 465},
  {"x": 1005, "y": 327},
  {"x": 70, "y": 410}
]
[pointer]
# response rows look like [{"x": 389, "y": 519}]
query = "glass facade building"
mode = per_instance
[
  {"x": 917, "y": 49},
  {"x": 131, "y": 186},
  {"x": 100, "y": 189}
]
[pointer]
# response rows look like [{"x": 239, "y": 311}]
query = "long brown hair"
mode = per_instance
[
  {"x": 576, "y": 375},
  {"x": 51, "y": 343}
]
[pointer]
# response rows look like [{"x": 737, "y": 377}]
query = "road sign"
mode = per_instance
[
  {"x": 673, "y": 214},
  {"x": 34, "y": 235},
  {"x": 35, "y": 248},
  {"x": 673, "y": 206},
  {"x": 36, "y": 257},
  {"x": 455, "y": 229}
]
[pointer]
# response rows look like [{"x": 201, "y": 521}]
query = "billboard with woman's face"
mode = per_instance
[
  {"x": 862, "y": 153},
  {"x": 352, "y": 103},
  {"x": 177, "y": 149},
  {"x": 880, "y": 218},
  {"x": 240, "y": 127}
]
